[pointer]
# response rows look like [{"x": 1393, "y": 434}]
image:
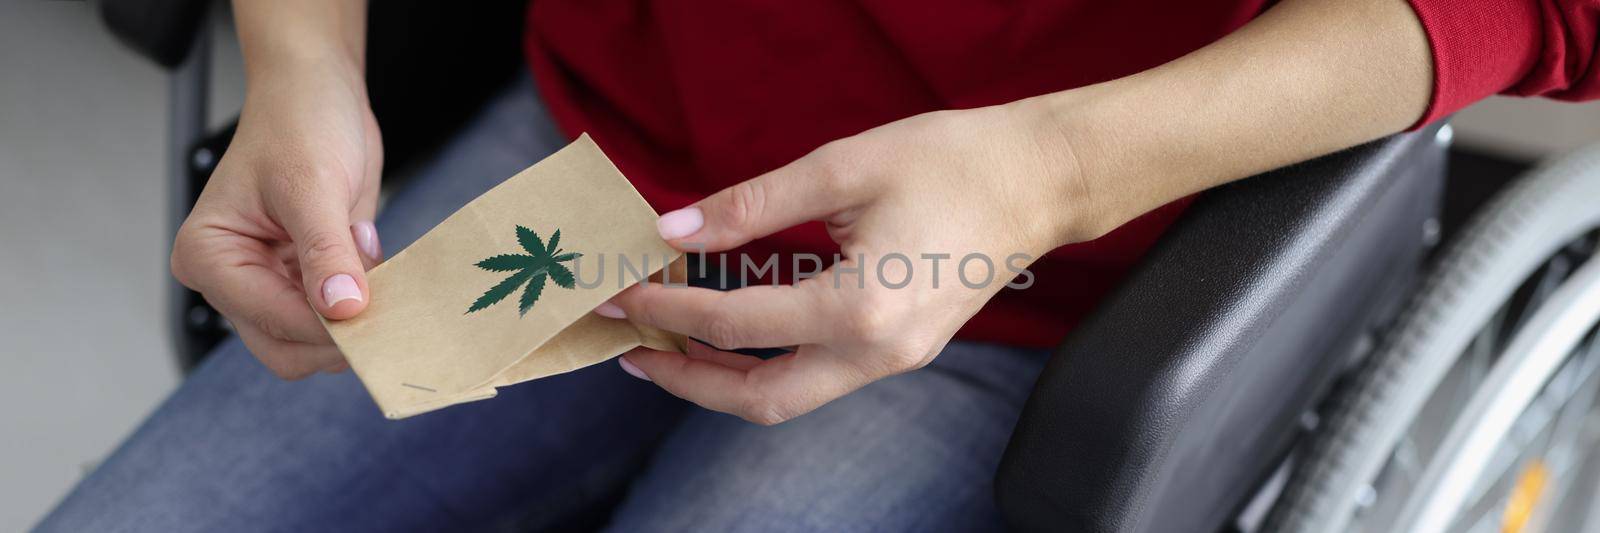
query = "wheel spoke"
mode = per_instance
[{"x": 1546, "y": 431}]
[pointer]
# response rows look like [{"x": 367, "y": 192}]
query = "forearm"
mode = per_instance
[
  {"x": 1307, "y": 78},
  {"x": 285, "y": 41}
]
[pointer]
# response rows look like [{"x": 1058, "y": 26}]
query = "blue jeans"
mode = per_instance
[{"x": 235, "y": 449}]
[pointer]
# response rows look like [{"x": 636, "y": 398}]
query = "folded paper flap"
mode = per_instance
[{"x": 453, "y": 311}]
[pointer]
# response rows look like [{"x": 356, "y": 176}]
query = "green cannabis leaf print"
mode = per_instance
[{"x": 541, "y": 261}]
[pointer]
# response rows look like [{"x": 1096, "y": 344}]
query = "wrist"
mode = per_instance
[
  {"x": 302, "y": 41},
  {"x": 1080, "y": 205},
  {"x": 314, "y": 83},
  {"x": 305, "y": 69}
]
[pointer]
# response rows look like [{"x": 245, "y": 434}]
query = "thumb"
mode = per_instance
[
  {"x": 330, "y": 266},
  {"x": 799, "y": 192}
]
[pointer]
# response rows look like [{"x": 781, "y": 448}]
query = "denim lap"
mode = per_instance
[{"x": 914, "y": 452}]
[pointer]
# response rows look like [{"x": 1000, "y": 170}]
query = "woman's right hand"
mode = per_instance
[{"x": 286, "y": 218}]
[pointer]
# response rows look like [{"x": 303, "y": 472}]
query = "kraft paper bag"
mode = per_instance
[{"x": 502, "y": 291}]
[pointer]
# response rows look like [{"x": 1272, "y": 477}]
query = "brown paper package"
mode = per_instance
[{"x": 415, "y": 347}]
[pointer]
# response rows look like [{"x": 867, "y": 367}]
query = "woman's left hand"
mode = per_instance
[{"x": 996, "y": 181}]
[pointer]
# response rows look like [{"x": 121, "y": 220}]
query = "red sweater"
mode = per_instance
[{"x": 691, "y": 100}]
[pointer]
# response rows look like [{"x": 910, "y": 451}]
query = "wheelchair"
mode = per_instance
[{"x": 1317, "y": 349}]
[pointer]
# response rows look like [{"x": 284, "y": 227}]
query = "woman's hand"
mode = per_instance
[
  {"x": 993, "y": 181},
  {"x": 287, "y": 216}
]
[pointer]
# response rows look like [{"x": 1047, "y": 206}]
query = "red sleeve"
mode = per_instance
[{"x": 1519, "y": 47}]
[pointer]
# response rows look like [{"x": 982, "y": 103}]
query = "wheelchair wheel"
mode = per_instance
[{"x": 1480, "y": 409}]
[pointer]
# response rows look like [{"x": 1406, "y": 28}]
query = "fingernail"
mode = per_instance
[
  {"x": 366, "y": 236},
  {"x": 681, "y": 223},
  {"x": 632, "y": 370},
  {"x": 609, "y": 310},
  {"x": 338, "y": 288}
]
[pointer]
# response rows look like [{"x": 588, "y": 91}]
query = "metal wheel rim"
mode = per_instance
[{"x": 1539, "y": 347}]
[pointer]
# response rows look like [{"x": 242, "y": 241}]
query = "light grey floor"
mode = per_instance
[{"x": 83, "y": 239}]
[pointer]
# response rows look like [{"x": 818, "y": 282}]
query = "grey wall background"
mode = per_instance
[
  {"x": 83, "y": 239},
  {"x": 84, "y": 354},
  {"x": 80, "y": 221}
]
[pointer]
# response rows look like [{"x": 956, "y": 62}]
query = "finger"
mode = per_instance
[
  {"x": 365, "y": 235},
  {"x": 240, "y": 276},
  {"x": 318, "y": 222},
  {"x": 805, "y": 190},
  {"x": 366, "y": 207},
  {"x": 702, "y": 352},
  {"x": 762, "y": 316},
  {"x": 365, "y": 211},
  {"x": 706, "y": 352},
  {"x": 773, "y": 391},
  {"x": 288, "y": 360}
]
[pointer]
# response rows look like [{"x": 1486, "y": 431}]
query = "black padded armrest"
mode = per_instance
[
  {"x": 161, "y": 30},
  {"x": 1168, "y": 407}
]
